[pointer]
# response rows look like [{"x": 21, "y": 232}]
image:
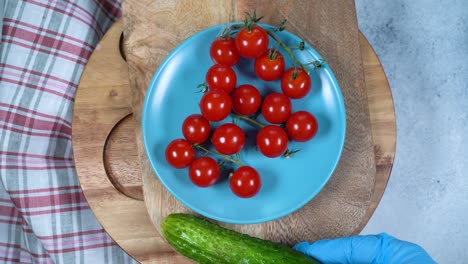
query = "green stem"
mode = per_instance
[
  {"x": 289, "y": 153},
  {"x": 287, "y": 49},
  {"x": 316, "y": 64},
  {"x": 235, "y": 26},
  {"x": 225, "y": 157},
  {"x": 250, "y": 120}
]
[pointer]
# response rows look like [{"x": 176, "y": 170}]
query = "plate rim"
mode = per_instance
[{"x": 150, "y": 91}]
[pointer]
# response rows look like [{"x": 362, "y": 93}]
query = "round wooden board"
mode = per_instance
[
  {"x": 152, "y": 31},
  {"x": 107, "y": 160}
]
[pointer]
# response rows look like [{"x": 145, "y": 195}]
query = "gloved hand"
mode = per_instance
[{"x": 380, "y": 248}]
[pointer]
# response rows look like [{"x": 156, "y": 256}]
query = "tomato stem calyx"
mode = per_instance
[
  {"x": 282, "y": 25},
  {"x": 272, "y": 54},
  {"x": 251, "y": 20},
  {"x": 227, "y": 32},
  {"x": 203, "y": 88},
  {"x": 289, "y": 153}
]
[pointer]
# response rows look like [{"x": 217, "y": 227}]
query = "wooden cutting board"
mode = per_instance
[
  {"x": 107, "y": 160},
  {"x": 152, "y": 28}
]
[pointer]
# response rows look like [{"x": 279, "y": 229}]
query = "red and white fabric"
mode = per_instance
[{"x": 44, "y": 47}]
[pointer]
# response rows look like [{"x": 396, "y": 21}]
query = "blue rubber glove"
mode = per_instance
[{"x": 380, "y": 248}]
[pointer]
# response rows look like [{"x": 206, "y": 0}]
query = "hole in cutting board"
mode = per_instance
[
  {"x": 121, "y": 161},
  {"x": 121, "y": 47}
]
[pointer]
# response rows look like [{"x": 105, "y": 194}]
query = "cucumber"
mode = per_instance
[{"x": 209, "y": 243}]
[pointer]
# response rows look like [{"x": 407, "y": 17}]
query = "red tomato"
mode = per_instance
[
  {"x": 297, "y": 87},
  {"x": 245, "y": 182},
  {"x": 179, "y": 153},
  {"x": 301, "y": 126},
  {"x": 204, "y": 172},
  {"x": 246, "y": 99},
  {"x": 272, "y": 141},
  {"x": 276, "y": 108},
  {"x": 228, "y": 139},
  {"x": 196, "y": 128},
  {"x": 253, "y": 43},
  {"x": 223, "y": 51},
  {"x": 269, "y": 66},
  {"x": 221, "y": 77},
  {"x": 215, "y": 105}
]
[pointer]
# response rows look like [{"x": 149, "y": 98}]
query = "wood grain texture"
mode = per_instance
[
  {"x": 126, "y": 220},
  {"x": 382, "y": 116},
  {"x": 154, "y": 28},
  {"x": 121, "y": 162},
  {"x": 331, "y": 28},
  {"x": 103, "y": 98}
]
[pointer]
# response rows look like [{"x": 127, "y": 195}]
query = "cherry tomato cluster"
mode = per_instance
[
  {"x": 227, "y": 139},
  {"x": 224, "y": 96}
]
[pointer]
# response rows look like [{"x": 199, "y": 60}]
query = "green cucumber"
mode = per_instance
[{"x": 209, "y": 243}]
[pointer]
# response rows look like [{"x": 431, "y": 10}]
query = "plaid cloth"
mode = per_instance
[{"x": 44, "y": 217}]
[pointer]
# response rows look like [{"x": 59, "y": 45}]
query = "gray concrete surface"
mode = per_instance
[{"x": 423, "y": 46}]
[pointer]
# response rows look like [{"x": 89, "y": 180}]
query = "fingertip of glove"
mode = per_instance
[
  {"x": 385, "y": 235},
  {"x": 302, "y": 247}
]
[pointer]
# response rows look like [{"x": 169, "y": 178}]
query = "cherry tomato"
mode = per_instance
[
  {"x": 245, "y": 182},
  {"x": 179, "y": 153},
  {"x": 253, "y": 43},
  {"x": 276, "y": 108},
  {"x": 301, "y": 126},
  {"x": 272, "y": 141},
  {"x": 223, "y": 51},
  {"x": 204, "y": 172},
  {"x": 269, "y": 66},
  {"x": 228, "y": 139},
  {"x": 246, "y": 99},
  {"x": 297, "y": 87},
  {"x": 196, "y": 128},
  {"x": 221, "y": 77},
  {"x": 215, "y": 105}
]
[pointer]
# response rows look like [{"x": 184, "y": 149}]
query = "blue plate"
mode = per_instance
[{"x": 287, "y": 184}]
